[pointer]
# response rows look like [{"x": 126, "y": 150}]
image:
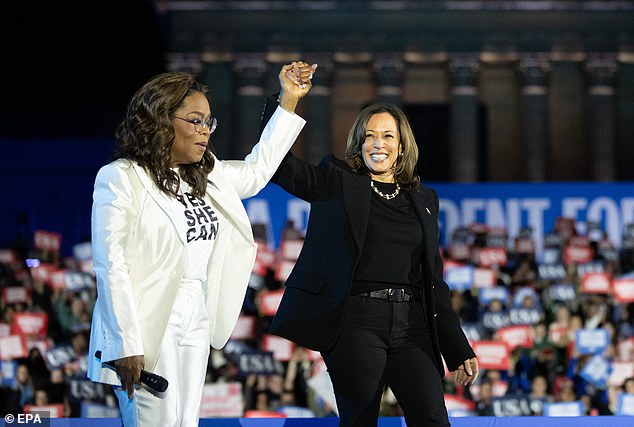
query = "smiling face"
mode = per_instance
[
  {"x": 381, "y": 146},
  {"x": 190, "y": 145}
]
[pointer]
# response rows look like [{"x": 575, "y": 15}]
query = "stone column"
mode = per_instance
[
  {"x": 601, "y": 116},
  {"x": 318, "y": 104},
  {"x": 250, "y": 69},
  {"x": 534, "y": 116},
  {"x": 463, "y": 119},
  {"x": 218, "y": 76},
  {"x": 389, "y": 73}
]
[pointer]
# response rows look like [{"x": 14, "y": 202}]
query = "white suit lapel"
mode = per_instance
[{"x": 172, "y": 208}]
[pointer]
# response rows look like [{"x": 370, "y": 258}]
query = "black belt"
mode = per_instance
[{"x": 390, "y": 294}]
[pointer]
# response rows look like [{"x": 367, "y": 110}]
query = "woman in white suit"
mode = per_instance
[{"x": 172, "y": 244}]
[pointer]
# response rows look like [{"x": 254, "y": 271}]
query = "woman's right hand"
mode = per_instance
[
  {"x": 129, "y": 371},
  {"x": 295, "y": 81}
]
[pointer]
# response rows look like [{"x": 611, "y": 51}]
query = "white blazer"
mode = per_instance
[{"x": 139, "y": 250}]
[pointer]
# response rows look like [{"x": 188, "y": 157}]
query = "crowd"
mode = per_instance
[{"x": 547, "y": 329}]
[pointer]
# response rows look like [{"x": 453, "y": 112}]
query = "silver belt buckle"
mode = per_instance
[{"x": 396, "y": 295}]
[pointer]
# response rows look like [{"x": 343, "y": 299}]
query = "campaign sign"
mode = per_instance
[
  {"x": 59, "y": 356},
  {"x": 30, "y": 324},
  {"x": 46, "y": 411},
  {"x": 490, "y": 294},
  {"x": 8, "y": 370},
  {"x": 259, "y": 362},
  {"x": 623, "y": 289},
  {"x": 492, "y": 355},
  {"x": 591, "y": 341},
  {"x": 552, "y": 272},
  {"x": 80, "y": 389},
  {"x": 244, "y": 328},
  {"x": 590, "y": 267},
  {"x": 97, "y": 410},
  {"x": 563, "y": 409},
  {"x": 516, "y": 336},
  {"x": 5, "y": 330},
  {"x": 577, "y": 254},
  {"x": 484, "y": 278},
  {"x": 494, "y": 320},
  {"x": 563, "y": 292},
  {"x": 453, "y": 402},
  {"x": 473, "y": 331},
  {"x": 489, "y": 257},
  {"x": 459, "y": 278},
  {"x": 512, "y": 406},
  {"x": 597, "y": 371},
  {"x": 47, "y": 240},
  {"x": 595, "y": 283},
  {"x": 15, "y": 294},
  {"x": 524, "y": 316},
  {"x": 76, "y": 281},
  {"x": 625, "y": 404},
  {"x": 620, "y": 372},
  {"x": 222, "y": 400},
  {"x": 281, "y": 348},
  {"x": 269, "y": 301}
]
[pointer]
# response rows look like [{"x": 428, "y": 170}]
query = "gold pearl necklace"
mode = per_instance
[{"x": 386, "y": 196}]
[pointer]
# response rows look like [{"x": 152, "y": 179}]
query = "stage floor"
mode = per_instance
[{"x": 601, "y": 421}]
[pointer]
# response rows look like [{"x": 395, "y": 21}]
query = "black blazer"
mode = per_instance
[{"x": 318, "y": 288}]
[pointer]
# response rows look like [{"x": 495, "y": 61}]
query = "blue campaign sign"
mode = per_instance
[
  {"x": 564, "y": 409},
  {"x": 592, "y": 341},
  {"x": 486, "y": 295},
  {"x": 625, "y": 404},
  {"x": 460, "y": 277},
  {"x": 8, "y": 370},
  {"x": 597, "y": 371},
  {"x": 509, "y": 205}
]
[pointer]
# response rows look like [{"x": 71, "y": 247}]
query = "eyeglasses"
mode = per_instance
[{"x": 199, "y": 124}]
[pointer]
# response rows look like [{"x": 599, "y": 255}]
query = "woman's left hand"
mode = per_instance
[
  {"x": 467, "y": 373},
  {"x": 295, "y": 81}
]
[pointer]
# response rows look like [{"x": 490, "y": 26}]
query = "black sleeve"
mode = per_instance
[{"x": 270, "y": 105}]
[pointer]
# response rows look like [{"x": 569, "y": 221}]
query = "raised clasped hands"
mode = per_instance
[
  {"x": 467, "y": 373},
  {"x": 295, "y": 81}
]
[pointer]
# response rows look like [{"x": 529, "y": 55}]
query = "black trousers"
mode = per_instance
[{"x": 385, "y": 343}]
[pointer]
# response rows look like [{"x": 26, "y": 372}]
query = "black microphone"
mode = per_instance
[{"x": 152, "y": 380}]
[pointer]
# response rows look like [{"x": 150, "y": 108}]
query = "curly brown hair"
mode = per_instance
[{"x": 146, "y": 134}]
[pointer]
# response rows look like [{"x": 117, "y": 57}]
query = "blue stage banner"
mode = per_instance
[{"x": 509, "y": 205}]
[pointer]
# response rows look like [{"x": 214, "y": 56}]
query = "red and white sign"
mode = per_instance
[
  {"x": 30, "y": 324},
  {"x": 269, "y": 301},
  {"x": 264, "y": 259},
  {"x": 43, "y": 272},
  {"x": 222, "y": 400},
  {"x": 492, "y": 355},
  {"x": 245, "y": 328},
  {"x": 556, "y": 333},
  {"x": 595, "y": 283},
  {"x": 47, "y": 240},
  {"x": 488, "y": 257},
  {"x": 15, "y": 294},
  {"x": 577, "y": 254},
  {"x": 281, "y": 348},
  {"x": 13, "y": 347},
  {"x": 516, "y": 336},
  {"x": 623, "y": 289},
  {"x": 52, "y": 411}
]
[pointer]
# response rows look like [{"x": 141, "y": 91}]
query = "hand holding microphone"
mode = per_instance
[{"x": 131, "y": 372}]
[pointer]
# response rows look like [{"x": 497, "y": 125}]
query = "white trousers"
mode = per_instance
[{"x": 182, "y": 361}]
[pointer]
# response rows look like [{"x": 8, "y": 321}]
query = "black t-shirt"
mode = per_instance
[{"x": 393, "y": 248}]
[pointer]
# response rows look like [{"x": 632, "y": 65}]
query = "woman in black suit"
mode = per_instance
[{"x": 367, "y": 290}]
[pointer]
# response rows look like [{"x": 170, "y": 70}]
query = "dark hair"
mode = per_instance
[
  {"x": 146, "y": 134},
  {"x": 405, "y": 167}
]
